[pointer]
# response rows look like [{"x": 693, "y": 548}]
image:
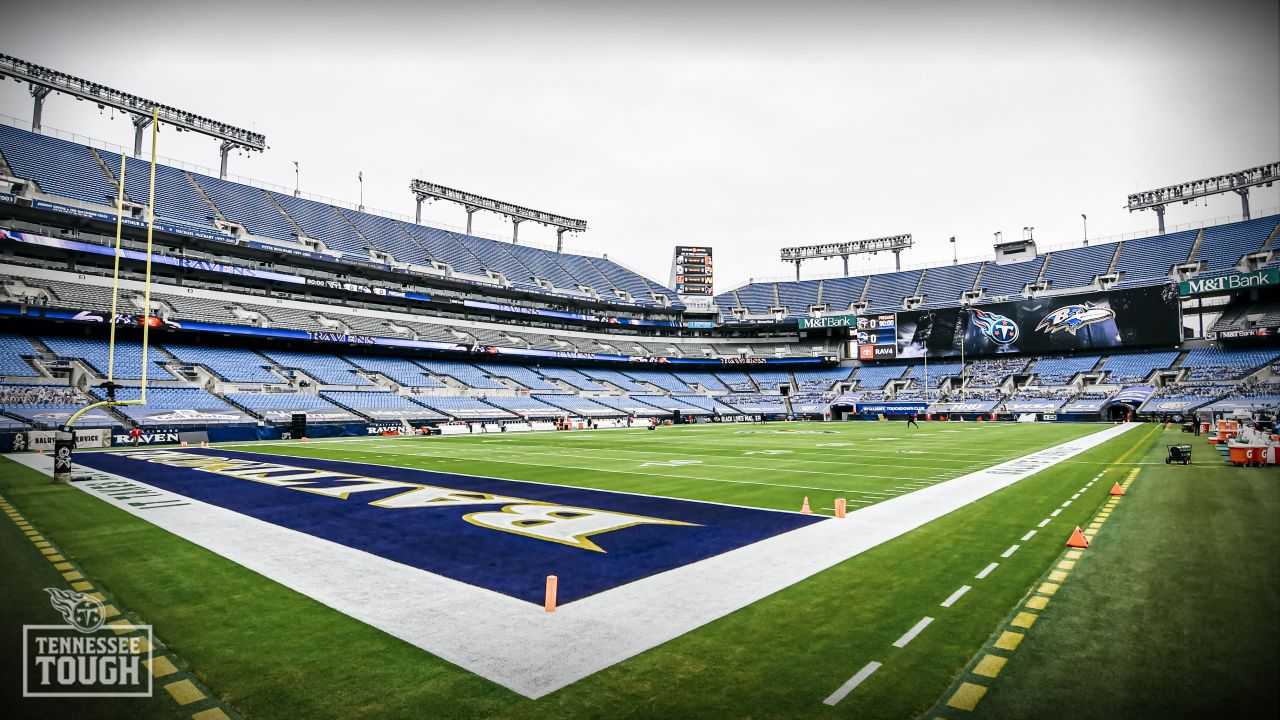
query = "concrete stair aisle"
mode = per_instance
[{"x": 1195, "y": 247}]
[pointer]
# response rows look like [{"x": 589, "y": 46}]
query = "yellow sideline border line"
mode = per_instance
[
  {"x": 182, "y": 686},
  {"x": 976, "y": 679}
]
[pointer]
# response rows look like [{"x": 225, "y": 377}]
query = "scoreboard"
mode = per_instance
[
  {"x": 691, "y": 272},
  {"x": 877, "y": 337}
]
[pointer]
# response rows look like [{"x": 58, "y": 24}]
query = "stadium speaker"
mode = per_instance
[
  {"x": 298, "y": 428},
  {"x": 784, "y": 390},
  {"x": 676, "y": 417}
]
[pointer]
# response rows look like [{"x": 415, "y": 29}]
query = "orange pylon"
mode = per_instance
[
  {"x": 1116, "y": 490},
  {"x": 1077, "y": 539},
  {"x": 840, "y": 506},
  {"x": 553, "y": 586},
  {"x": 804, "y": 506}
]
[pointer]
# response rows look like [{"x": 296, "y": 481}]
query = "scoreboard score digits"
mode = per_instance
[
  {"x": 691, "y": 271},
  {"x": 877, "y": 337}
]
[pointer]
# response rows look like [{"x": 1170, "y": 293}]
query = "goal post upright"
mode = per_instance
[
  {"x": 64, "y": 440},
  {"x": 151, "y": 224}
]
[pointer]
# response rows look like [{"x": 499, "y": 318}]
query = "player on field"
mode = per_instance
[{"x": 911, "y": 421}]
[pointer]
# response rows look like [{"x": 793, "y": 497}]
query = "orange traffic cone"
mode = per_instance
[
  {"x": 1077, "y": 539},
  {"x": 804, "y": 506},
  {"x": 304, "y": 438},
  {"x": 1116, "y": 490}
]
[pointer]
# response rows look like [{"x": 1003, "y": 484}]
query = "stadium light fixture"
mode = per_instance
[
  {"x": 43, "y": 81},
  {"x": 893, "y": 243},
  {"x": 517, "y": 214},
  {"x": 1236, "y": 182}
]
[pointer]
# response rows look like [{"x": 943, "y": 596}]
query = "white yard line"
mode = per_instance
[
  {"x": 951, "y": 600},
  {"x": 642, "y": 472},
  {"x": 913, "y": 632},
  {"x": 987, "y": 571},
  {"x": 1030, "y": 534},
  {"x": 852, "y": 683},
  {"x": 490, "y": 456},
  {"x": 1044, "y": 522},
  {"x": 1012, "y": 549},
  {"x": 518, "y": 645}
]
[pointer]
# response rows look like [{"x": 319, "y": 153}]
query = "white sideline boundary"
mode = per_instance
[{"x": 517, "y": 644}]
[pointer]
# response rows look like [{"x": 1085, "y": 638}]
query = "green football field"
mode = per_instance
[{"x": 242, "y": 645}]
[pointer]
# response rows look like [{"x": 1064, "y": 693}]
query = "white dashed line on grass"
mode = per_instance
[
  {"x": 956, "y": 596},
  {"x": 1012, "y": 549},
  {"x": 913, "y": 632},
  {"x": 1076, "y": 496},
  {"x": 1028, "y": 536},
  {"x": 987, "y": 570},
  {"x": 1066, "y": 504},
  {"x": 852, "y": 683},
  {"x": 1055, "y": 512},
  {"x": 1044, "y": 522}
]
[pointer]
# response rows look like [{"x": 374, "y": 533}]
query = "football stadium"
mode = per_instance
[{"x": 274, "y": 454}]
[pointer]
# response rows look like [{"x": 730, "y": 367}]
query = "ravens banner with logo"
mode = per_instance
[{"x": 1138, "y": 317}]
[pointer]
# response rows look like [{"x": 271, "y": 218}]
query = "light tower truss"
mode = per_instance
[
  {"x": 1236, "y": 182},
  {"x": 894, "y": 244},
  {"x": 43, "y": 81},
  {"x": 471, "y": 202}
]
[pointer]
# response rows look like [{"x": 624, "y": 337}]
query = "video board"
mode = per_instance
[
  {"x": 877, "y": 337},
  {"x": 1090, "y": 321},
  {"x": 691, "y": 271}
]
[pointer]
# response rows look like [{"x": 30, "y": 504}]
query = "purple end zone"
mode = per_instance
[{"x": 439, "y": 540}]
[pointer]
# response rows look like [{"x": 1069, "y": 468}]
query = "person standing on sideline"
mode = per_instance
[
  {"x": 135, "y": 435},
  {"x": 911, "y": 421}
]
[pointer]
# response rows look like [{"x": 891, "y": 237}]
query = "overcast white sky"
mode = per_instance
[{"x": 744, "y": 126}]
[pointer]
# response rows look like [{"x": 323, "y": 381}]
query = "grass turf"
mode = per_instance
[
  {"x": 271, "y": 652},
  {"x": 1172, "y": 614}
]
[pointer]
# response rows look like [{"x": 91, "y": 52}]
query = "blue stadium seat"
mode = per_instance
[
  {"x": 875, "y": 377},
  {"x": 1057, "y": 371},
  {"x": 398, "y": 370},
  {"x": 95, "y": 352},
  {"x": 13, "y": 348},
  {"x": 57, "y": 166},
  {"x": 233, "y": 364},
  {"x": 887, "y": 291},
  {"x": 1009, "y": 279},
  {"x": 1224, "y": 245},
  {"x": 519, "y": 373},
  {"x": 248, "y": 206},
  {"x": 1137, "y": 367},
  {"x": 945, "y": 284},
  {"x": 176, "y": 198},
  {"x": 1077, "y": 267},
  {"x": 1146, "y": 259},
  {"x": 327, "y": 369},
  {"x": 464, "y": 373}
]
